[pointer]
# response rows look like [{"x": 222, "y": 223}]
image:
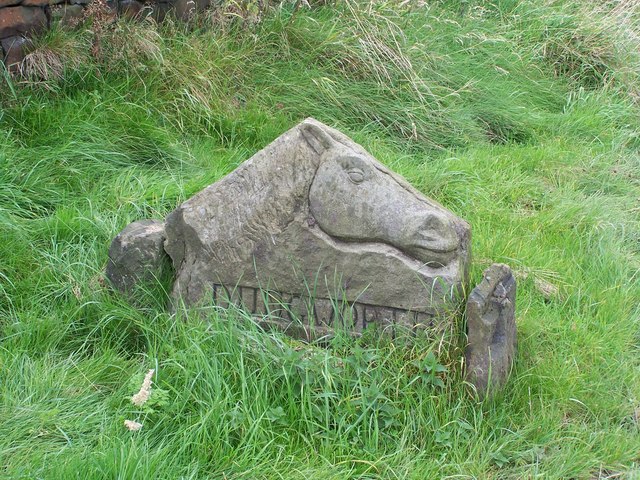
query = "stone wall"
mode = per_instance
[{"x": 21, "y": 20}]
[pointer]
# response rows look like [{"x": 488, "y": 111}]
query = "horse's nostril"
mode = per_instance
[
  {"x": 428, "y": 236},
  {"x": 435, "y": 234}
]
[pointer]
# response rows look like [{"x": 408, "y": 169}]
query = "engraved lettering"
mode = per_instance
[{"x": 352, "y": 316}]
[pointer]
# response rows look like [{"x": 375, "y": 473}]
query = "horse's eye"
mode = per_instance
[{"x": 355, "y": 175}]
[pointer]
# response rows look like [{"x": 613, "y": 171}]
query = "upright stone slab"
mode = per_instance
[
  {"x": 315, "y": 229},
  {"x": 491, "y": 327}
]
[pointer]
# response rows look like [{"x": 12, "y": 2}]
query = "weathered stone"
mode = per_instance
[
  {"x": 68, "y": 16},
  {"x": 186, "y": 9},
  {"x": 21, "y": 20},
  {"x": 158, "y": 11},
  {"x": 40, "y": 3},
  {"x": 130, "y": 8},
  {"x": 9, "y": 3},
  {"x": 314, "y": 218},
  {"x": 15, "y": 49},
  {"x": 136, "y": 255},
  {"x": 491, "y": 328}
]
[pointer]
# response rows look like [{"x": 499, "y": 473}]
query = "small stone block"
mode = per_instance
[
  {"x": 136, "y": 255},
  {"x": 491, "y": 328}
]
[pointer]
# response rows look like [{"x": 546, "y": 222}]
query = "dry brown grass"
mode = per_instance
[
  {"x": 603, "y": 47},
  {"x": 49, "y": 59},
  {"x": 131, "y": 42}
]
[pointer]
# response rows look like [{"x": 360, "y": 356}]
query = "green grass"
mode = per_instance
[{"x": 521, "y": 117}]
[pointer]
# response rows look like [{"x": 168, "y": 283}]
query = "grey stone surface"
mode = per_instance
[
  {"x": 9, "y": 3},
  {"x": 136, "y": 255},
  {"x": 69, "y": 16},
  {"x": 186, "y": 9},
  {"x": 130, "y": 8},
  {"x": 40, "y": 3},
  {"x": 316, "y": 220},
  {"x": 491, "y": 327},
  {"x": 15, "y": 49},
  {"x": 158, "y": 11},
  {"x": 21, "y": 20}
]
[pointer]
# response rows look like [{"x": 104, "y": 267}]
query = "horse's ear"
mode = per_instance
[{"x": 317, "y": 138}]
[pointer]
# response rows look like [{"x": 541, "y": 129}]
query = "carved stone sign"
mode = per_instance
[
  {"x": 314, "y": 229},
  {"x": 312, "y": 234}
]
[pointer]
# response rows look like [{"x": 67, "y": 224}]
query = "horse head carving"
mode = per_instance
[{"x": 356, "y": 199}]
